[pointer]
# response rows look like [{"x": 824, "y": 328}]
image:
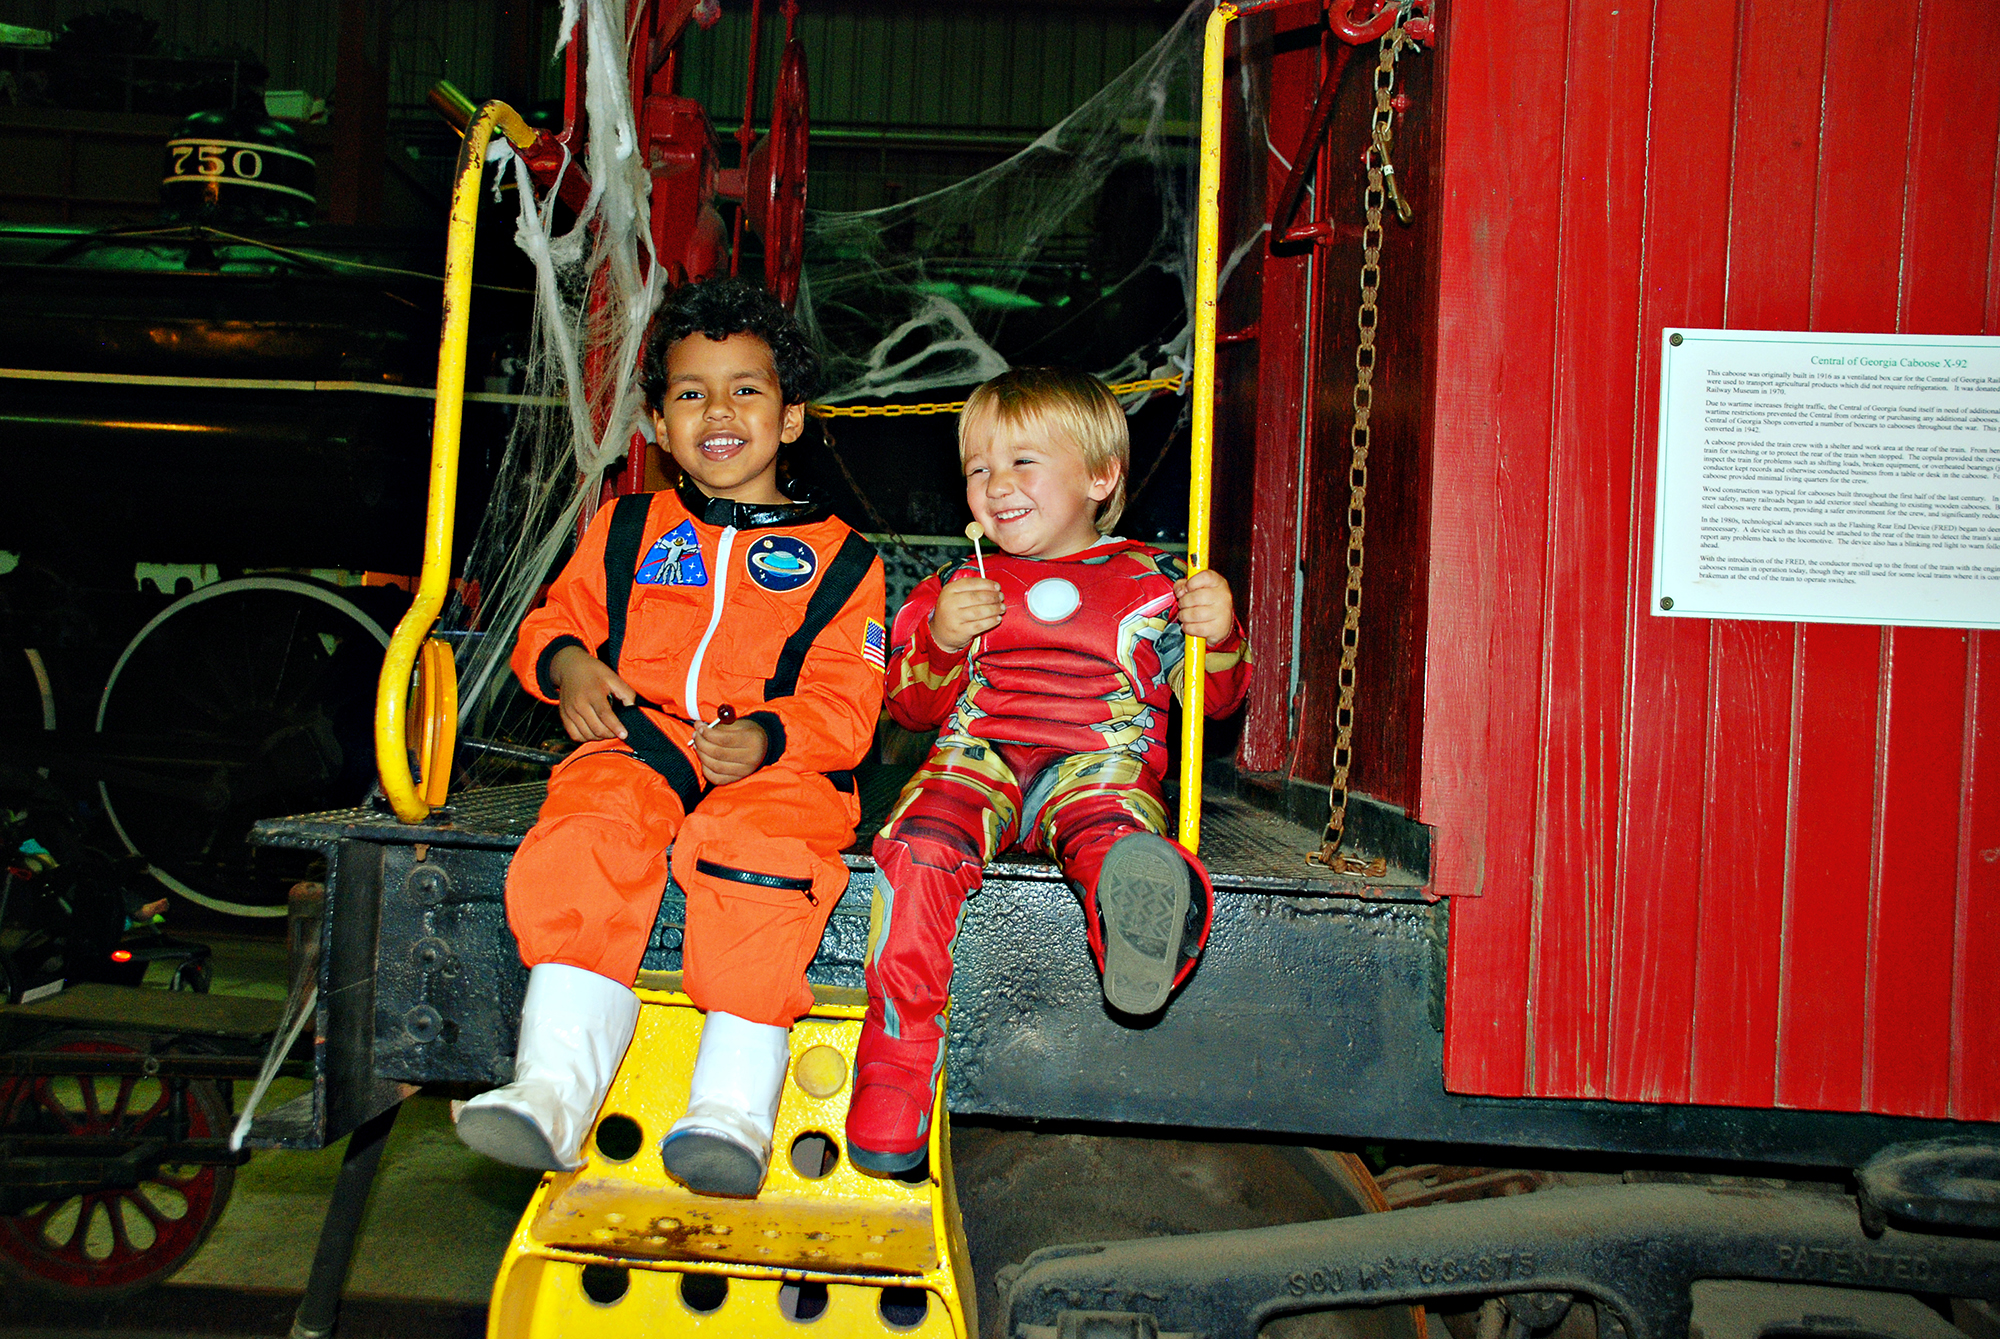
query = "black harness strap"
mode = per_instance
[
  {"x": 621, "y": 564},
  {"x": 652, "y": 747},
  {"x": 842, "y": 579}
]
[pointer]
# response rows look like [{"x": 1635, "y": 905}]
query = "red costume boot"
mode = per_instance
[{"x": 895, "y": 1087}]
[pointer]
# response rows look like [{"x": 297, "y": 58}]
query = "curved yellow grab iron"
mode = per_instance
[
  {"x": 392, "y": 692},
  {"x": 433, "y": 726},
  {"x": 1208, "y": 211}
]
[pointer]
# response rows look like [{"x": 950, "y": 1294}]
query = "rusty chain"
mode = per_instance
[{"x": 1381, "y": 187}]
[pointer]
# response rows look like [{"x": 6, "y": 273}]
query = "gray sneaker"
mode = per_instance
[{"x": 1142, "y": 905}]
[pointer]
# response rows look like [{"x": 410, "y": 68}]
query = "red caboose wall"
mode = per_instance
[{"x": 1697, "y": 861}]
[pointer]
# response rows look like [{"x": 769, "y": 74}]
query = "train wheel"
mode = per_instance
[
  {"x": 106, "y": 1243},
  {"x": 251, "y": 698},
  {"x": 777, "y": 185},
  {"x": 27, "y": 698},
  {"x": 1021, "y": 1190}
]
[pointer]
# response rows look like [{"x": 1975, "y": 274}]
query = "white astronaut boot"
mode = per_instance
[
  {"x": 723, "y": 1144},
  {"x": 575, "y": 1026}
]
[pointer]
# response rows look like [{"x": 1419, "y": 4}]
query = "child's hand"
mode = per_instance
[
  {"x": 729, "y": 752},
  {"x": 585, "y": 686},
  {"x": 966, "y": 608},
  {"x": 1206, "y": 608}
]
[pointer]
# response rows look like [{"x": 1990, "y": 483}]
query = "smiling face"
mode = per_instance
[
  {"x": 723, "y": 416},
  {"x": 1029, "y": 488}
]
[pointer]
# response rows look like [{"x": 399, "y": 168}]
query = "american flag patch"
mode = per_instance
[{"x": 875, "y": 644}]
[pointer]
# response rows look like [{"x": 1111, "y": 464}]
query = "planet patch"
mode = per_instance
[{"x": 781, "y": 563}]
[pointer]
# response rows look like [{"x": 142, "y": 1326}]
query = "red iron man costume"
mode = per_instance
[{"x": 1053, "y": 738}]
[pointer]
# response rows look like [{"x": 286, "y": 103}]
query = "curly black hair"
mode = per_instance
[{"x": 719, "y": 308}]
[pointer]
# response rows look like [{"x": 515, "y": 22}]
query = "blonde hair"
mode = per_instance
[{"x": 1072, "y": 405}]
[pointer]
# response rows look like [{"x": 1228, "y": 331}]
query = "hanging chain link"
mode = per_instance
[{"x": 1381, "y": 188}]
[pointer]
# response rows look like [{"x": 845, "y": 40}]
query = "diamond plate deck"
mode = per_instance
[{"x": 1244, "y": 846}]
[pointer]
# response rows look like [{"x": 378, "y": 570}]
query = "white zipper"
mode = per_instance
[{"x": 689, "y": 698}]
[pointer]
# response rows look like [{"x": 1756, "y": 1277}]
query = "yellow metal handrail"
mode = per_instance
[
  {"x": 392, "y": 691},
  {"x": 1208, "y": 213}
]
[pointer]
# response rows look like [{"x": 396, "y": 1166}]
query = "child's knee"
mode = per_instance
[
  {"x": 945, "y": 833},
  {"x": 756, "y": 908},
  {"x": 585, "y": 890},
  {"x": 586, "y": 860}
]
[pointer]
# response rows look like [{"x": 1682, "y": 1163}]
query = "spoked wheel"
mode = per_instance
[
  {"x": 27, "y": 694},
  {"x": 27, "y": 697},
  {"x": 777, "y": 179},
  {"x": 239, "y": 701},
  {"x": 105, "y": 1243}
]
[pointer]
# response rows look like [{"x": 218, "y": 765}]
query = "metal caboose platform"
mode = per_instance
[{"x": 1317, "y": 1009}]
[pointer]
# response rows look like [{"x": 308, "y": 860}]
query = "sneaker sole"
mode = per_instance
[
  {"x": 709, "y": 1164},
  {"x": 885, "y": 1164},
  {"x": 1142, "y": 894},
  {"x": 509, "y": 1137}
]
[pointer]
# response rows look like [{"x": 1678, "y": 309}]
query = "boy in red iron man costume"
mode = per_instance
[
  {"x": 1050, "y": 673},
  {"x": 717, "y": 651}
]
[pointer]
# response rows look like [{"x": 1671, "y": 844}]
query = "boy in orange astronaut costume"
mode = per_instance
[
  {"x": 717, "y": 652},
  {"x": 1049, "y": 669}
]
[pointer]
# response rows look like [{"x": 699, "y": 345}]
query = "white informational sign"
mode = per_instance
[{"x": 1826, "y": 478}]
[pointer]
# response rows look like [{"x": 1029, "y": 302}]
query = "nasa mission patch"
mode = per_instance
[
  {"x": 781, "y": 563},
  {"x": 674, "y": 560}
]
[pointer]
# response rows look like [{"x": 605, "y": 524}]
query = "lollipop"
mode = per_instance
[
  {"x": 973, "y": 532},
  {"x": 724, "y": 715}
]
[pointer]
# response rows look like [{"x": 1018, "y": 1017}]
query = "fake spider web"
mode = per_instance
[
  {"x": 1076, "y": 251},
  {"x": 594, "y": 296}
]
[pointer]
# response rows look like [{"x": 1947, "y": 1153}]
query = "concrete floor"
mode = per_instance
[
  {"x": 267, "y": 1234},
  {"x": 408, "y": 1277}
]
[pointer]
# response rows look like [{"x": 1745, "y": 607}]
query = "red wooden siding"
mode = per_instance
[
  {"x": 1975, "y": 975},
  {"x": 1698, "y": 861},
  {"x": 1283, "y": 296}
]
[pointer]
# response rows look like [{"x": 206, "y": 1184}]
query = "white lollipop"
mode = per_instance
[{"x": 974, "y": 532}]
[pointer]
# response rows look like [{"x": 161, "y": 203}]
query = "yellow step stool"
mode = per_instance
[{"x": 619, "y": 1249}]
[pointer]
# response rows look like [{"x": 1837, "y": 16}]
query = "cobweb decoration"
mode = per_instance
[
  {"x": 594, "y": 298},
  {"x": 1078, "y": 250}
]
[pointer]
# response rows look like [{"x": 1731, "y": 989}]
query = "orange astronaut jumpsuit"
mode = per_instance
[{"x": 775, "y": 611}]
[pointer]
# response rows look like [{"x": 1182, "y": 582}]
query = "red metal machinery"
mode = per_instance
[{"x": 678, "y": 142}]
